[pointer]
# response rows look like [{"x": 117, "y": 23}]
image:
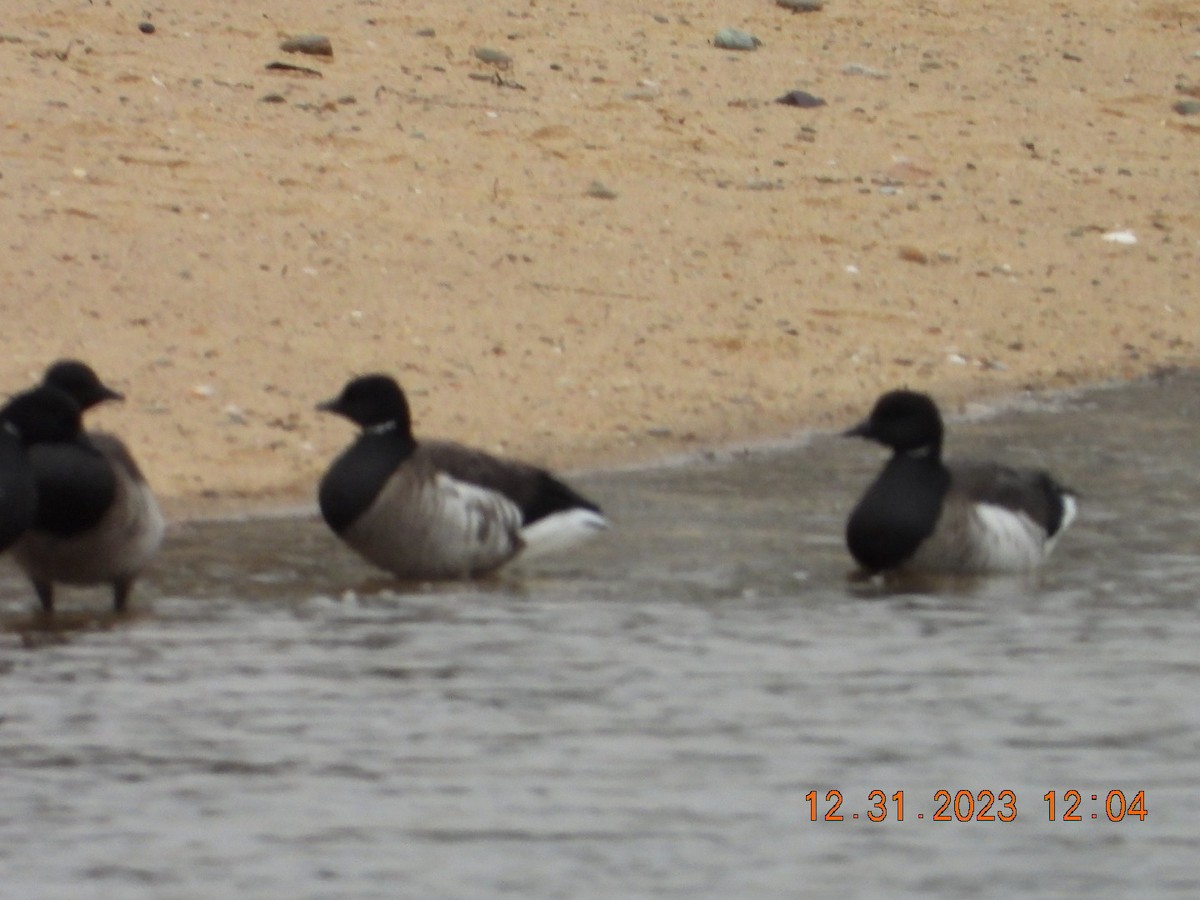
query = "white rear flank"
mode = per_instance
[
  {"x": 989, "y": 538},
  {"x": 561, "y": 531},
  {"x": 1006, "y": 541}
]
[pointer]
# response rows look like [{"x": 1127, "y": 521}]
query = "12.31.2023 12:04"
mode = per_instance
[{"x": 982, "y": 806}]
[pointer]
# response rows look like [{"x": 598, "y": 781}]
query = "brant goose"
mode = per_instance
[
  {"x": 40, "y": 415},
  {"x": 439, "y": 510},
  {"x": 97, "y": 520},
  {"x": 964, "y": 517}
]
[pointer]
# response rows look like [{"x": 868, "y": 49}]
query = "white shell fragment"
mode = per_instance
[{"x": 1120, "y": 237}]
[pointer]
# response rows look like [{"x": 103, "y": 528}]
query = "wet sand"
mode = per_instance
[{"x": 614, "y": 248}]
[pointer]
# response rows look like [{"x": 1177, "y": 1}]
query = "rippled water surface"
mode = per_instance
[{"x": 645, "y": 719}]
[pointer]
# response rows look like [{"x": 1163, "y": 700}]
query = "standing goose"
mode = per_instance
[
  {"x": 97, "y": 520},
  {"x": 39, "y": 415},
  {"x": 438, "y": 510},
  {"x": 966, "y": 517}
]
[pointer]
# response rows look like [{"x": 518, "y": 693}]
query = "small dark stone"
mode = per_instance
[
  {"x": 600, "y": 191},
  {"x": 1187, "y": 107},
  {"x": 273, "y": 98},
  {"x": 312, "y": 44},
  {"x": 802, "y": 99},
  {"x": 298, "y": 70},
  {"x": 146, "y": 27}
]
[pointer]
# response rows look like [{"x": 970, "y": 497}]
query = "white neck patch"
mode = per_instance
[{"x": 381, "y": 428}]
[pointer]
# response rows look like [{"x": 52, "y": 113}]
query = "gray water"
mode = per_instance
[{"x": 644, "y": 719}]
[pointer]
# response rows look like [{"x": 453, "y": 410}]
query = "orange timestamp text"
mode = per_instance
[{"x": 965, "y": 805}]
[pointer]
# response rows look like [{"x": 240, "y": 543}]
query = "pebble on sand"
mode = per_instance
[
  {"x": 312, "y": 44},
  {"x": 735, "y": 39},
  {"x": 866, "y": 71},
  {"x": 802, "y": 5},
  {"x": 497, "y": 58},
  {"x": 802, "y": 99},
  {"x": 600, "y": 191}
]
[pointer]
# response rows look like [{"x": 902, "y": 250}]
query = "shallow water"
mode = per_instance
[{"x": 645, "y": 719}]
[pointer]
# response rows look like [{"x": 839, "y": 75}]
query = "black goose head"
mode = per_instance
[
  {"x": 375, "y": 403},
  {"x": 42, "y": 415},
  {"x": 906, "y": 421},
  {"x": 80, "y": 381}
]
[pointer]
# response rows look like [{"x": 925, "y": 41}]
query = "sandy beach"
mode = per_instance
[{"x": 582, "y": 234}]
